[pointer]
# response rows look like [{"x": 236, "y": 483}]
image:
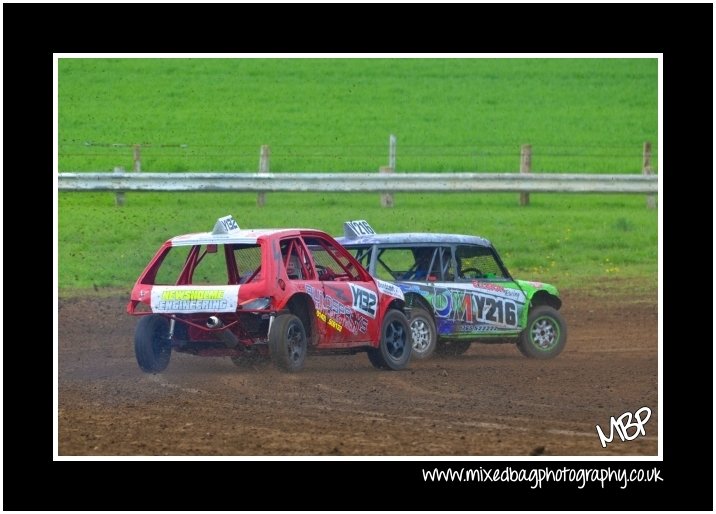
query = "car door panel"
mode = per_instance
[{"x": 477, "y": 308}]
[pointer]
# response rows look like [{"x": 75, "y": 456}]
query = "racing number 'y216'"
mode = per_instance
[{"x": 458, "y": 291}]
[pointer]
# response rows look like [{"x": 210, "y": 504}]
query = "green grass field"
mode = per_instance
[
  {"x": 580, "y": 115},
  {"x": 570, "y": 240}
]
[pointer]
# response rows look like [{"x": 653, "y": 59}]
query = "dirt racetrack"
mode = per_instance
[{"x": 491, "y": 401}]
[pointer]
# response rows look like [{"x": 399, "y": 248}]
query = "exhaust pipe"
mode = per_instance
[{"x": 226, "y": 336}]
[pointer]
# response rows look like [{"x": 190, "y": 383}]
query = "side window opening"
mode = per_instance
[
  {"x": 420, "y": 263},
  {"x": 426, "y": 265},
  {"x": 295, "y": 260},
  {"x": 394, "y": 263},
  {"x": 168, "y": 269},
  {"x": 199, "y": 264},
  {"x": 248, "y": 263},
  {"x": 475, "y": 262},
  {"x": 445, "y": 272},
  {"x": 362, "y": 255},
  {"x": 432, "y": 264},
  {"x": 331, "y": 263},
  {"x": 210, "y": 266}
]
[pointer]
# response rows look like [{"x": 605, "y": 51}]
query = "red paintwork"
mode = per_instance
[{"x": 333, "y": 296}]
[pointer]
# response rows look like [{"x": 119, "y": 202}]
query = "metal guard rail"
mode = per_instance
[{"x": 360, "y": 182}]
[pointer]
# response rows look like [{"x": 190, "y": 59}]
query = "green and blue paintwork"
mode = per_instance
[
  {"x": 484, "y": 308},
  {"x": 488, "y": 307}
]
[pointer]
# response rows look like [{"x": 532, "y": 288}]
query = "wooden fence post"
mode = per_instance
[
  {"x": 525, "y": 167},
  {"x": 386, "y": 199},
  {"x": 646, "y": 170},
  {"x": 137, "y": 155},
  {"x": 392, "y": 142},
  {"x": 119, "y": 195},
  {"x": 263, "y": 170}
]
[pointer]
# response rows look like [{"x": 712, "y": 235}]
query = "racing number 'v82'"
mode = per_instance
[{"x": 258, "y": 295}]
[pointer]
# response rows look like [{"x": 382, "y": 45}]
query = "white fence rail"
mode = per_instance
[{"x": 361, "y": 182}]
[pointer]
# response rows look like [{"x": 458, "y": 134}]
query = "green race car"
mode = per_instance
[{"x": 458, "y": 291}]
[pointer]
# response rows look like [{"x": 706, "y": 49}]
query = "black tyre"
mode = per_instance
[
  {"x": 545, "y": 334},
  {"x": 287, "y": 343},
  {"x": 452, "y": 348},
  {"x": 422, "y": 327},
  {"x": 395, "y": 343},
  {"x": 151, "y": 343}
]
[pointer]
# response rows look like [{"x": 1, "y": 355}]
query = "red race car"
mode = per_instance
[{"x": 262, "y": 294}]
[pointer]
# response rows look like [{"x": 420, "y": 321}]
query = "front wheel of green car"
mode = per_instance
[{"x": 545, "y": 334}]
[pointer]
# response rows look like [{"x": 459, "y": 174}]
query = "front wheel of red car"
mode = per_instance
[
  {"x": 395, "y": 345},
  {"x": 287, "y": 343},
  {"x": 545, "y": 335},
  {"x": 151, "y": 343}
]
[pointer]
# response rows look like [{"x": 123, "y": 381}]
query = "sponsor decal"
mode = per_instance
[
  {"x": 336, "y": 313},
  {"x": 389, "y": 288},
  {"x": 498, "y": 289},
  {"x": 413, "y": 288},
  {"x": 457, "y": 328},
  {"x": 364, "y": 300},
  {"x": 476, "y": 308},
  {"x": 329, "y": 321},
  {"x": 189, "y": 299},
  {"x": 487, "y": 285}
]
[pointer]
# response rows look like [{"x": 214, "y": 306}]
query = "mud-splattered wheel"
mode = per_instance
[
  {"x": 395, "y": 345},
  {"x": 287, "y": 343},
  {"x": 151, "y": 343},
  {"x": 545, "y": 334},
  {"x": 423, "y": 331}
]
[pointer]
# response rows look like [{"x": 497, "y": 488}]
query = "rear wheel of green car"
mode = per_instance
[{"x": 422, "y": 328}]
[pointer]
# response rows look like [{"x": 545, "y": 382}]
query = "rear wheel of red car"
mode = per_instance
[
  {"x": 287, "y": 343},
  {"x": 423, "y": 331},
  {"x": 151, "y": 343},
  {"x": 452, "y": 348},
  {"x": 395, "y": 343},
  {"x": 545, "y": 335}
]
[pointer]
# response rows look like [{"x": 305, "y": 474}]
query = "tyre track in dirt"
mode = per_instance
[{"x": 490, "y": 401}]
